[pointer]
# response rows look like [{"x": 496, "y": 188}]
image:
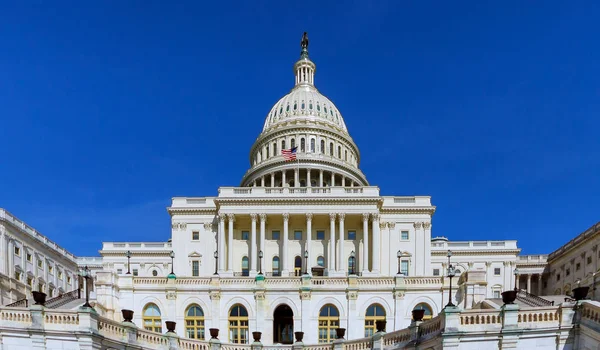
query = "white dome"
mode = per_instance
[{"x": 305, "y": 102}]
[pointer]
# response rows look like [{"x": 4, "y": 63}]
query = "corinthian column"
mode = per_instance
[
  {"x": 342, "y": 257},
  {"x": 427, "y": 255},
  {"x": 221, "y": 243},
  {"x": 253, "y": 251},
  {"x": 376, "y": 245},
  {"x": 285, "y": 272},
  {"x": 230, "y": 221},
  {"x": 365, "y": 263},
  {"x": 331, "y": 260},
  {"x": 263, "y": 221},
  {"x": 420, "y": 251},
  {"x": 308, "y": 242}
]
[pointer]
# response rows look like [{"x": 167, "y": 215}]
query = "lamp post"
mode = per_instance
[
  {"x": 216, "y": 255},
  {"x": 86, "y": 275},
  {"x": 172, "y": 257},
  {"x": 451, "y": 273},
  {"x": 352, "y": 257},
  {"x": 399, "y": 255},
  {"x": 306, "y": 262},
  {"x": 516, "y": 278},
  {"x": 128, "y": 259},
  {"x": 260, "y": 256}
]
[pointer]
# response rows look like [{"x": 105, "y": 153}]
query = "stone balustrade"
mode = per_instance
[{"x": 452, "y": 325}]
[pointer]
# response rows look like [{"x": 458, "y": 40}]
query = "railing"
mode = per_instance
[
  {"x": 376, "y": 281},
  {"x": 152, "y": 338},
  {"x": 464, "y": 245},
  {"x": 422, "y": 280},
  {"x": 19, "y": 303},
  {"x": 396, "y": 337},
  {"x": 235, "y": 346},
  {"x": 61, "y": 318},
  {"x": 329, "y": 281},
  {"x": 110, "y": 328},
  {"x": 16, "y": 315},
  {"x": 480, "y": 317},
  {"x": 525, "y": 297},
  {"x": 190, "y": 344},
  {"x": 63, "y": 299},
  {"x": 431, "y": 326},
  {"x": 193, "y": 281},
  {"x": 304, "y": 191},
  {"x": 358, "y": 344},
  {"x": 591, "y": 311},
  {"x": 318, "y": 347},
  {"x": 149, "y": 280},
  {"x": 539, "y": 315}
]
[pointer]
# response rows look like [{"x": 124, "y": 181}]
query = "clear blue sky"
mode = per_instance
[{"x": 108, "y": 109}]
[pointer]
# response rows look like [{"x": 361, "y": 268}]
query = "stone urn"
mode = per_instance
[
  {"x": 418, "y": 315},
  {"x": 256, "y": 336},
  {"x": 380, "y": 325},
  {"x": 299, "y": 336},
  {"x": 127, "y": 315},
  {"x": 580, "y": 293},
  {"x": 214, "y": 333},
  {"x": 509, "y": 296},
  {"x": 39, "y": 298},
  {"x": 170, "y": 326},
  {"x": 340, "y": 333}
]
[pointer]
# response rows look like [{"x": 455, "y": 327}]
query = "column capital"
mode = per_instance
[
  {"x": 365, "y": 216},
  {"x": 263, "y": 217},
  {"x": 488, "y": 264},
  {"x": 391, "y": 224},
  {"x": 418, "y": 225},
  {"x": 208, "y": 226},
  {"x": 427, "y": 225},
  {"x": 309, "y": 216},
  {"x": 253, "y": 217},
  {"x": 221, "y": 216},
  {"x": 332, "y": 216},
  {"x": 341, "y": 216},
  {"x": 231, "y": 217},
  {"x": 375, "y": 216},
  {"x": 286, "y": 216},
  {"x": 506, "y": 263},
  {"x": 383, "y": 224}
]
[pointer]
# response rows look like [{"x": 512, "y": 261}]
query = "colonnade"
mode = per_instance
[
  {"x": 528, "y": 284},
  {"x": 336, "y": 263},
  {"x": 324, "y": 179}
]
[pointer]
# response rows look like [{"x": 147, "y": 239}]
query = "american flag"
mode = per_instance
[{"x": 289, "y": 154}]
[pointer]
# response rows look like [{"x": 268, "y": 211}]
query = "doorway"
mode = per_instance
[{"x": 283, "y": 325}]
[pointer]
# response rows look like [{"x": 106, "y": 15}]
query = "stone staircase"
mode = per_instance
[
  {"x": 528, "y": 299},
  {"x": 63, "y": 301}
]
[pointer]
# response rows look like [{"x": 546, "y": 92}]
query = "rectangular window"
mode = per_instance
[
  {"x": 30, "y": 281},
  {"x": 496, "y": 271},
  {"x": 404, "y": 267},
  {"x": 50, "y": 269},
  {"x": 195, "y": 235},
  {"x": 17, "y": 251},
  {"x": 436, "y": 272},
  {"x": 297, "y": 235},
  {"x": 29, "y": 257},
  {"x": 195, "y": 268},
  {"x": 321, "y": 235},
  {"x": 119, "y": 271},
  {"x": 60, "y": 275},
  {"x": 275, "y": 235},
  {"x": 17, "y": 275},
  {"x": 558, "y": 277},
  {"x": 577, "y": 266},
  {"x": 40, "y": 263},
  {"x": 69, "y": 279},
  {"x": 589, "y": 260},
  {"x": 135, "y": 272},
  {"x": 351, "y": 235},
  {"x": 568, "y": 272},
  {"x": 404, "y": 235},
  {"x": 245, "y": 235},
  {"x": 497, "y": 294}
]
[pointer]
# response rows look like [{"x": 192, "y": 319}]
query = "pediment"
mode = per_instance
[{"x": 195, "y": 255}]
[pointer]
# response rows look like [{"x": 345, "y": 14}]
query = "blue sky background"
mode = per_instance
[{"x": 108, "y": 109}]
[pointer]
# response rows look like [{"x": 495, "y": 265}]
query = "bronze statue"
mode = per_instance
[{"x": 304, "y": 42}]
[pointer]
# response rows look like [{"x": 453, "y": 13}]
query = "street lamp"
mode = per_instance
[
  {"x": 260, "y": 256},
  {"x": 86, "y": 275},
  {"x": 128, "y": 259},
  {"x": 216, "y": 255},
  {"x": 516, "y": 278},
  {"x": 172, "y": 257},
  {"x": 306, "y": 262},
  {"x": 399, "y": 255},
  {"x": 451, "y": 273},
  {"x": 352, "y": 257}
]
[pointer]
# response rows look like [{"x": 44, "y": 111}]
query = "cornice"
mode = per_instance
[
  {"x": 476, "y": 251},
  {"x": 166, "y": 253},
  {"x": 408, "y": 210},
  {"x": 298, "y": 201},
  {"x": 189, "y": 211}
]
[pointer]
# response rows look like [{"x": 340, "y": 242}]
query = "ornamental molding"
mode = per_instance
[
  {"x": 155, "y": 253},
  {"x": 302, "y": 201},
  {"x": 208, "y": 226},
  {"x": 215, "y": 295},
  {"x": 231, "y": 218},
  {"x": 286, "y": 216},
  {"x": 181, "y": 226},
  {"x": 190, "y": 211},
  {"x": 391, "y": 225},
  {"x": 398, "y": 294},
  {"x": 478, "y": 252},
  {"x": 305, "y": 295},
  {"x": 171, "y": 295},
  {"x": 309, "y": 217},
  {"x": 263, "y": 217},
  {"x": 332, "y": 216},
  {"x": 365, "y": 216},
  {"x": 383, "y": 224},
  {"x": 352, "y": 294},
  {"x": 418, "y": 225},
  {"x": 409, "y": 210},
  {"x": 375, "y": 216},
  {"x": 427, "y": 225},
  {"x": 253, "y": 217},
  {"x": 259, "y": 295},
  {"x": 341, "y": 216}
]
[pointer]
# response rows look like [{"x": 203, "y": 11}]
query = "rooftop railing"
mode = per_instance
[{"x": 468, "y": 245}]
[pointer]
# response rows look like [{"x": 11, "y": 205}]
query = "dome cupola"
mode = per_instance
[{"x": 306, "y": 120}]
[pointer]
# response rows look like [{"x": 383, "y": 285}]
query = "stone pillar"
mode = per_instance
[
  {"x": 528, "y": 283},
  {"x": 253, "y": 250},
  {"x": 332, "y": 179},
  {"x": 308, "y": 184},
  {"x": 518, "y": 281},
  {"x": 272, "y": 179},
  {"x": 215, "y": 301},
  {"x": 365, "y": 262},
  {"x": 539, "y": 284},
  {"x": 296, "y": 177},
  {"x": 320, "y": 178},
  {"x": 283, "y": 183},
  {"x": 263, "y": 222},
  {"x": 343, "y": 263},
  {"x": 507, "y": 284},
  {"x": 509, "y": 338},
  {"x": 284, "y": 254},
  {"x": 230, "y": 221},
  {"x": 331, "y": 260},
  {"x": 308, "y": 261},
  {"x": 262, "y": 181},
  {"x": 221, "y": 243},
  {"x": 376, "y": 245},
  {"x": 427, "y": 255},
  {"x": 420, "y": 249}
]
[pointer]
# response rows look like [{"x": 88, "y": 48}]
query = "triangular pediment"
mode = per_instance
[{"x": 195, "y": 255}]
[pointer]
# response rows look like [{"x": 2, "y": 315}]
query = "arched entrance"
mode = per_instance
[{"x": 283, "y": 325}]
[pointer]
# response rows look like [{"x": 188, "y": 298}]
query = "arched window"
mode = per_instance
[
  {"x": 323, "y": 146},
  {"x": 194, "y": 322},
  {"x": 321, "y": 261},
  {"x": 302, "y": 145},
  {"x": 329, "y": 320},
  {"x": 154, "y": 273},
  {"x": 428, "y": 311},
  {"x": 345, "y": 155},
  {"x": 351, "y": 265},
  {"x": 276, "y": 271},
  {"x": 298, "y": 266},
  {"x": 238, "y": 325},
  {"x": 269, "y": 150},
  {"x": 331, "y": 149},
  {"x": 375, "y": 312},
  {"x": 282, "y": 145},
  {"x": 339, "y": 153},
  {"x": 151, "y": 318},
  {"x": 245, "y": 270},
  {"x": 293, "y": 143},
  {"x": 312, "y": 145},
  {"x": 274, "y": 149}
]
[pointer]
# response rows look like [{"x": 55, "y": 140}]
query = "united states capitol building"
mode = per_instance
[{"x": 307, "y": 245}]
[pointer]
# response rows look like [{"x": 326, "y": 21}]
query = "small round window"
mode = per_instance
[{"x": 154, "y": 273}]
